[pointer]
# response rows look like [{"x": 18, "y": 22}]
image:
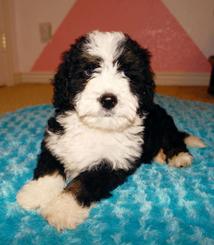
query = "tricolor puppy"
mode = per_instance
[{"x": 105, "y": 126}]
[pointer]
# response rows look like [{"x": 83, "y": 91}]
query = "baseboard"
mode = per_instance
[
  {"x": 34, "y": 77},
  {"x": 182, "y": 79},
  {"x": 161, "y": 78}
]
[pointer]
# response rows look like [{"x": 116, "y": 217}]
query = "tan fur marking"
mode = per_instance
[
  {"x": 160, "y": 157},
  {"x": 194, "y": 141},
  {"x": 91, "y": 58},
  {"x": 73, "y": 187}
]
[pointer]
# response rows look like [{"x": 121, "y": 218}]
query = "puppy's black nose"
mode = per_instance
[{"x": 108, "y": 101}]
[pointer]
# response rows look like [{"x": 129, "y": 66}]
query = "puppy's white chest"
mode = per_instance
[{"x": 81, "y": 147}]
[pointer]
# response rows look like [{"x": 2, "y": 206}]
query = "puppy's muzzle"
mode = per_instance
[{"x": 108, "y": 101}]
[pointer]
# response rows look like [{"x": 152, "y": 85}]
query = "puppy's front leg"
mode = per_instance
[
  {"x": 72, "y": 206},
  {"x": 48, "y": 181}
]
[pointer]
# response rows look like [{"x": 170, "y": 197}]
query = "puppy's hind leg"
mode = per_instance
[
  {"x": 174, "y": 147},
  {"x": 47, "y": 183}
]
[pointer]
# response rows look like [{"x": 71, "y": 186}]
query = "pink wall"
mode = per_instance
[{"x": 149, "y": 22}]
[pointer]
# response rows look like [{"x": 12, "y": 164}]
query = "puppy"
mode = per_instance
[{"x": 105, "y": 126}]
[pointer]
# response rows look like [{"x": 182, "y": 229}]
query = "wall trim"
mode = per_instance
[
  {"x": 162, "y": 78},
  {"x": 33, "y": 77},
  {"x": 7, "y": 27},
  {"x": 182, "y": 78}
]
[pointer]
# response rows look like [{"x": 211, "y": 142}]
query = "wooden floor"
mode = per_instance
[{"x": 22, "y": 95}]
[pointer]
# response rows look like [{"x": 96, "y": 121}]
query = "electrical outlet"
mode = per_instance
[{"x": 45, "y": 30}]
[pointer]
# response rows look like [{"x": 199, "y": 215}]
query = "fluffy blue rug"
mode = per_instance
[{"x": 157, "y": 205}]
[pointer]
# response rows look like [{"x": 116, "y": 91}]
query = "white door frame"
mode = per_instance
[{"x": 7, "y": 34}]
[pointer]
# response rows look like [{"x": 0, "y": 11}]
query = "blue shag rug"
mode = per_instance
[{"x": 157, "y": 205}]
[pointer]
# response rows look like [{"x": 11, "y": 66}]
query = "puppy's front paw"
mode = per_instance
[
  {"x": 183, "y": 159},
  {"x": 64, "y": 212},
  {"x": 27, "y": 197},
  {"x": 37, "y": 193}
]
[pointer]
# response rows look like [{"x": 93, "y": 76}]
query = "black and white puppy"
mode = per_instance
[{"x": 104, "y": 127}]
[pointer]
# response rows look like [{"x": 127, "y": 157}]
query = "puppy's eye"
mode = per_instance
[{"x": 88, "y": 71}]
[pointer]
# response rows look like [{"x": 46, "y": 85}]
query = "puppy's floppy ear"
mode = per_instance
[
  {"x": 147, "y": 80},
  {"x": 61, "y": 83},
  {"x": 65, "y": 80},
  {"x": 135, "y": 62}
]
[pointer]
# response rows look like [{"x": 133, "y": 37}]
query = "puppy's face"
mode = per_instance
[{"x": 106, "y": 78}]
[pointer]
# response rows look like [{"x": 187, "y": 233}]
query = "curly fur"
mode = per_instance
[{"x": 94, "y": 149}]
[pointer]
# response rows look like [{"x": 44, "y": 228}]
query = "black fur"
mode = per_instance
[
  {"x": 54, "y": 126},
  {"x": 72, "y": 76},
  {"x": 160, "y": 131},
  {"x": 98, "y": 183},
  {"x": 135, "y": 63},
  {"x": 47, "y": 164}
]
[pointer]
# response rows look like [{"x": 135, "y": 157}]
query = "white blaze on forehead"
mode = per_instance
[
  {"x": 105, "y": 44},
  {"x": 107, "y": 78}
]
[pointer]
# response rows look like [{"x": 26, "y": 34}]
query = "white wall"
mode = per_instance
[
  {"x": 28, "y": 15},
  {"x": 197, "y": 18}
]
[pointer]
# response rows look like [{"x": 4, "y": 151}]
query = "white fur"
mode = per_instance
[
  {"x": 37, "y": 193},
  {"x": 105, "y": 44},
  {"x": 63, "y": 212},
  {"x": 106, "y": 79},
  {"x": 91, "y": 111},
  {"x": 93, "y": 133},
  {"x": 82, "y": 147},
  {"x": 183, "y": 159}
]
